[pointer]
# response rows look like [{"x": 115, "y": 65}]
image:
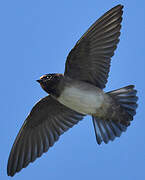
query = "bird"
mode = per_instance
[{"x": 77, "y": 93}]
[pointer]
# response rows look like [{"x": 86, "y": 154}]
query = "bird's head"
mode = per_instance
[{"x": 50, "y": 82}]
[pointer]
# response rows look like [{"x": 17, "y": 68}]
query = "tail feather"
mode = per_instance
[
  {"x": 127, "y": 98},
  {"x": 106, "y": 130}
]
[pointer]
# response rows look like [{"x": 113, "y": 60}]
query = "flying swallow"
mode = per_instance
[{"x": 77, "y": 93}]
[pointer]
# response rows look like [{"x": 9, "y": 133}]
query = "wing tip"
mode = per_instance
[
  {"x": 119, "y": 6},
  {"x": 10, "y": 171}
]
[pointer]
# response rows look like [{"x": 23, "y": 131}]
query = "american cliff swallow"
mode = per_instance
[{"x": 77, "y": 93}]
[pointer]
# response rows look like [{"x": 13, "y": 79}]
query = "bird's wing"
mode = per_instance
[
  {"x": 46, "y": 122},
  {"x": 89, "y": 60}
]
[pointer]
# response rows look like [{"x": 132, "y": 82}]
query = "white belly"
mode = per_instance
[{"x": 83, "y": 100}]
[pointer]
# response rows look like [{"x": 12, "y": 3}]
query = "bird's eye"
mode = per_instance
[{"x": 48, "y": 77}]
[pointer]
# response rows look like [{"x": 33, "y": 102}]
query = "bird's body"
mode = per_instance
[
  {"x": 76, "y": 93},
  {"x": 85, "y": 98},
  {"x": 81, "y": 96}
]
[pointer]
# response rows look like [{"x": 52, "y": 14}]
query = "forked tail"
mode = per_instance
[{"x": 108, "y": 129}]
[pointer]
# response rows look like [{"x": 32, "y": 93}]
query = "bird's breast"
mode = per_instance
[{"x": 82, "y": 98}]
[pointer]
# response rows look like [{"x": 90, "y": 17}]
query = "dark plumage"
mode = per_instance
[
  {"x": 49, "y": 83},
  {"x": 77, "y": 93}
]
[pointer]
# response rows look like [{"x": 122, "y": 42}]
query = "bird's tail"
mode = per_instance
[{"x": 126, "y": 103}]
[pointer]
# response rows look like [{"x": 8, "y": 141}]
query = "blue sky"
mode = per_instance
[{"x": 36, "y": 37}]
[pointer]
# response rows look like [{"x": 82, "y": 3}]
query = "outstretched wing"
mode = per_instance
[
  {"x": 90, "y": 59},
  {"x": 46, "y": 122}
]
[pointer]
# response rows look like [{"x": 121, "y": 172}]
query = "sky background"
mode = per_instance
[{"x": 35, "y": 38}]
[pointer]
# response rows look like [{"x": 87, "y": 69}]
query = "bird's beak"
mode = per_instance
[{"x": 39, "y": 80}]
